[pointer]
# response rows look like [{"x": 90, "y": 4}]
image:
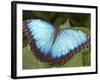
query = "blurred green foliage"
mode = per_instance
[{"x": 77, "y": 21}]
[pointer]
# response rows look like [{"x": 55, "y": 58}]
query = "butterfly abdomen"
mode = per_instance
[{"x": 45, "y": 49}]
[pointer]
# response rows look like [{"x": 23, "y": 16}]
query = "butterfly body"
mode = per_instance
[{"x": 52, "y": 45}]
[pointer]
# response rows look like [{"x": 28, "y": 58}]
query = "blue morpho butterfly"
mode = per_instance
[{"x": 52, "y": 45}]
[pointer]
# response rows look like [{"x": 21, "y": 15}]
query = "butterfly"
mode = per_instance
[{"x": 50, "y": 44}]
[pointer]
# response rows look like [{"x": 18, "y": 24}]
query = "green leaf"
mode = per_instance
[
  {"x": 83, "y": 29},
  {"x": 67, "y": 24},
  {"x": 30, "y": 61},
  {"x": 25, "y": 42},
  {"x": 44, "y": 15}
]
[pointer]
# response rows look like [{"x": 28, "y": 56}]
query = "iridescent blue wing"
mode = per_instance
[
  {"x": 42, "y": 33},
  {"x": 66, "y": 41}
]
